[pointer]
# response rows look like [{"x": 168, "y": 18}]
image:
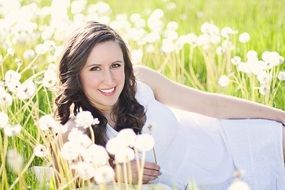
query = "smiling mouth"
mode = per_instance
[{"x": 108, "y": 92}]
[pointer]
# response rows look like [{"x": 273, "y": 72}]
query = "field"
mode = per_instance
[{"x": 229, "y": 47}]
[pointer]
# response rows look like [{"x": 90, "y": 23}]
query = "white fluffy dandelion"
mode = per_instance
[
  {"x": 104, "y": 174},
  {"x": 4, "y": 120},
  {"x": 244, "y": 37},
  {"x": 144, "y": 142},
  {"x": 26, "y": 90},
  {"x": 95, "y": 154},
  {"x": 115, "y": 145},
  {"x": 12, "y": 130},
  {"x": 85, "y": 119},
  {"x": 125, "y": 155},
  {"x": 40, "y": 150},
  {"x": 224, "y": 81},
  {"x": 47, "y": 122},
  {"x": 281, "y": 76},
  {"x": 15, "y": 160},
  {"x": 127, "y": 135},
  {"x": 84, "y": 170},
  {"x": 70, "y": 151}
]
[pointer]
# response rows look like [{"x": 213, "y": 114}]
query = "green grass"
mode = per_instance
[{"x": 262, "y": 19}]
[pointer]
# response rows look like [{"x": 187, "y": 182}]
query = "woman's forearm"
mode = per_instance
[{"x": 232, "y": 107}]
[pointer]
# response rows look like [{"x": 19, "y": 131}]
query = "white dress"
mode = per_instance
[{"x": 195, "y": 148}]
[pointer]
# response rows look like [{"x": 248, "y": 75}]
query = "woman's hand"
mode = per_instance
[{"x": 150, "y": 172}]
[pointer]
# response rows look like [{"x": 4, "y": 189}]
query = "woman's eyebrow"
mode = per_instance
[{"x": 94, "y": 64}]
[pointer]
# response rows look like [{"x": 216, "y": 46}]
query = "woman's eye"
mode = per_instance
[
  {"x": 116, "y": 65},
  {"x": 95, "y": 69}
]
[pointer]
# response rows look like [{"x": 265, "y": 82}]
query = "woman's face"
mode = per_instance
[{"x": 103, "y": 75}]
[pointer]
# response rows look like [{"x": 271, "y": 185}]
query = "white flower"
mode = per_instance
[
  {"x": 84, "y": 170},
  {"x": 264, "y": 78},
  {"x": 60, "y": 129},
  {"x": 235, "y": 60},
  {"x": 226, "y": 32},
  {"x": 26, "y": 90},
  {"x": 41, "y": 49},
  {"x": 5, "y": 98},
  {"x": 15, "y": 160},
  {"x": 40, "y": 150},
  {"x": 10, "y": 51},
  {"x": 74, "y": 133},
  {"x": 77, "y": 7},
  {"x": 244, "y": 37},
  {"x": 12, "y": 130},
  {"x": 29, "y": 54},
  {"x": 47, "y": 122},
  {"x": 50, "y": 79},
  {"x": 144, "y": 142},
  {"x": 70, "y": 151},
  {"x": 281, "y": 76},
  {"x": 220, "y": 50},
  {"x": 76, "y": 136},
  {"x": 12, "y": 76},
  {"x": 104, "y": 174},
  {"x": 168, "y": 46},
  {"x": 115, "y": 145},
  {"x": 125, "y": 155},
  {"x": 264, "y": 89},
  {"x": 271, "y": 58},
  {"x": 85, "y": 119},
  {"x": 239, "y": 185},
  {"x": 224, "y": 81},
  {"x": 251, "y": 56},
  {"x": 4, "y": 120},
  {"x": 127, "y": 135},
  {"x": 95, "y": 154},
  {"x": 210, "y": 29}
]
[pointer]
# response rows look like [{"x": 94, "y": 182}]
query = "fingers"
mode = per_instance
[{"x": 150, "y": 172}]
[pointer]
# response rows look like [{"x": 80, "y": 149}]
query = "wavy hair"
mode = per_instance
[{"x": 129, "y": 113}]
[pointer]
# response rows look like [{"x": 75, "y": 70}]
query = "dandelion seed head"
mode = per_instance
[
  {"x": 40, "y": 150},
  {"x": 127, "y": 135},
  {"x": 12, "y": 130},
  {"x": 244, "y": 37},
  {"x": 95, "y": 154},
  {"x": 84, "y": 119},
  {"x": 281, "y": 76},
  {"x": 15, "y": 160},
  {"x": 70, "y": 151},
  {"x": 224, "y": 81},
  {"x": 104, "y": 174},
  {"x": 125, "y": 155},
  {"x": 144, "y": 142},
  {"x": 4, "y": 120}
]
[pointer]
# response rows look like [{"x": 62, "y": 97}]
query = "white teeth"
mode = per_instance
[{"x": 108, "y": 91}]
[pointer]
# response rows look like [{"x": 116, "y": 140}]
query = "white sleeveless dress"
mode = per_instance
[{"x": 204, "y": 150}]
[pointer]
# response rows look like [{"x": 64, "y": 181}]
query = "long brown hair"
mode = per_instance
[{"x": 129, "y": 113}]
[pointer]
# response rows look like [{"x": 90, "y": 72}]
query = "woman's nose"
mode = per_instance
[{"x": 108, "y": 77}]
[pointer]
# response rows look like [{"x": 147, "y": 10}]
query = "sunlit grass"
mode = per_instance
[{"x": 192, "y": 64}]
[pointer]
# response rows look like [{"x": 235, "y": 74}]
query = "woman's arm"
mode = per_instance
[{"x": 210, "y": 104}]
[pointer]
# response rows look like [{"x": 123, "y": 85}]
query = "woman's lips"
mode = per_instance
[{"x": 108, "y": 92}]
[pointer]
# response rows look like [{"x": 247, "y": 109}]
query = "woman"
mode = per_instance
[{"x": 96, "y": 74}]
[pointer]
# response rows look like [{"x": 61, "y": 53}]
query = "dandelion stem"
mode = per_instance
[{"x": 141, "y": 171}]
